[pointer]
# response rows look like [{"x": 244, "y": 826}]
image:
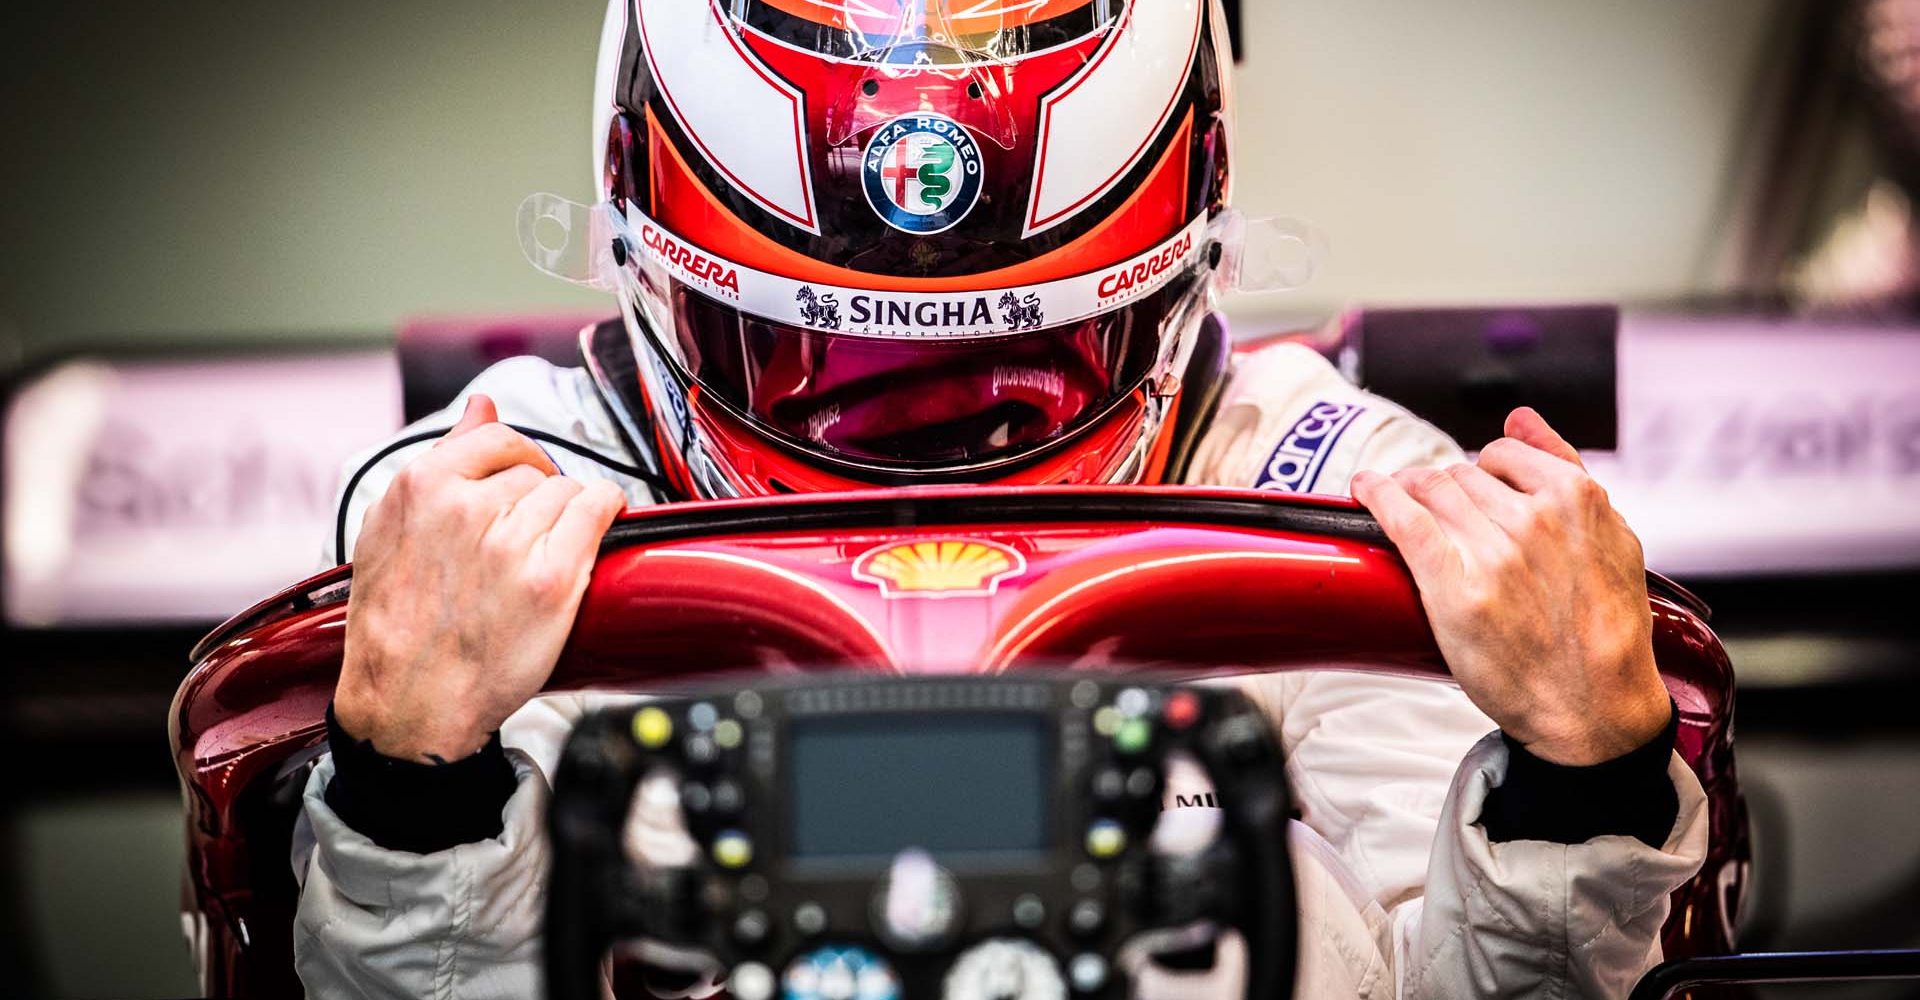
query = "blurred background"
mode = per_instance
[{"x": 239, "y": 242}]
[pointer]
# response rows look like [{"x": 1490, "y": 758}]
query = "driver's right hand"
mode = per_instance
[{"x": 466, "y": 577}]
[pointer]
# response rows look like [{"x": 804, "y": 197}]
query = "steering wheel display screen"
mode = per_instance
[{"x": 871, "y": 786}]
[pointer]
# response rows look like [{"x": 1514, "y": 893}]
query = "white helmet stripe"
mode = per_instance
[
  {"x": 1089, "y": 135},
  {"x": 747, "y": 122},
  {"x": 914, "y": 315}
]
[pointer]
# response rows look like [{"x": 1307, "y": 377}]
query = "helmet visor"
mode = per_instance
[{"x": 899, "y": 403}]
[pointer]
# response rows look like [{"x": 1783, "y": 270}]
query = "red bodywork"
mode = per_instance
[{"x": 1191, "y": 581}]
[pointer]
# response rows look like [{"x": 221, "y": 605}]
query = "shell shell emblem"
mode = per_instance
[{"x": 944, "y": 567}]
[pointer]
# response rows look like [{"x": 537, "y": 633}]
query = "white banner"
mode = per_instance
[{"x": 916, "y": 315}]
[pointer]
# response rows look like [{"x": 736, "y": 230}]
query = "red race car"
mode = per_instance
[{"x": 1184, "y": 582}]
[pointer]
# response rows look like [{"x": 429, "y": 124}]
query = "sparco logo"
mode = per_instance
[
  {"x": 696, "y": 265},
  {"x": 922, "y": 173},
  {"x": 1296, "y": 461},
  {"x": 1139, "y": 273}
]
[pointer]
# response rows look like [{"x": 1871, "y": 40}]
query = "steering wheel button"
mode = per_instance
[
  {"x": 695, "y": 798},
  {"x": 701, "y": 751},
  {"x": 875, "y": 982},
  {"x": 728, "y": 799},
  {"x": 1106, "y": 720},
  {"x": 841, "y": 973},
  {"x": 1133, "y": 736},
  {"x": 728, "y": 734},
  {"x": 1142, "y": 783},
  {"x": 809, "y": 918},
  {"x": 751, "y": 981},
  {"x": 732, "y": 849},
  {"x": 1133, "y": 702},
  {"x": 652, "y": 728},
  {"x": 1108, "y": 784},
  {"x": 1086, "y": 918},
  {"x": 702, "y": 716},
  {"x": 1029, "y": 912},
  {"x": 1087, "y": 972},
  {"x": 751, "y": 928},
  {"x": 1106, "y": 839},
  {"x": 1183, "y": 709}
]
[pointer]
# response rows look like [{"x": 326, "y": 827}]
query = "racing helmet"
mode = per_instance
[{"x": 911, "y": 241}]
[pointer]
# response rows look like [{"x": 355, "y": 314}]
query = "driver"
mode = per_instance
[{"x": 894, "y": 243}]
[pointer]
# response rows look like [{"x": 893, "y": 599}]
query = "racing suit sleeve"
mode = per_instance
[{"x": 1390, "y": 774}]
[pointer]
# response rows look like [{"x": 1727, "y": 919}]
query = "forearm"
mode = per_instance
[{"x": 458, "y": 922}]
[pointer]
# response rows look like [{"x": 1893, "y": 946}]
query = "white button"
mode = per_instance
[
  {"x": 837, "y": 982},
  {"x": 751, "y": 981},
  {"x": 1087, "y": 971}
]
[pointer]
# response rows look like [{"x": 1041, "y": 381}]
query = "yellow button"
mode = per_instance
[
  {"x": 1106, "y": 720},
  {"x": 732, "y": 849},
  {"x": 727, "y": 734},
  {"x": 1106, "y": 839},
  {"x": 652, "y": 728}
]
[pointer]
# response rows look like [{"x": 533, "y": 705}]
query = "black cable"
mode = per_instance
[{"x": 652, "y": 481}]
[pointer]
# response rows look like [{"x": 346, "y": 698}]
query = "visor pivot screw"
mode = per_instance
[
  {"x": 1214, "y": 252},
  {"x": 870, "y": 88},
  {"x": 620, "y": 251},
  {"x": 973, "y": 90}
]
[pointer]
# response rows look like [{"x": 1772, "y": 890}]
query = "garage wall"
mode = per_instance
[{"x": 201, "y": 169}]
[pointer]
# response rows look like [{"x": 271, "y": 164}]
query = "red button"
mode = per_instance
[{"x": 1183, "y": 709}]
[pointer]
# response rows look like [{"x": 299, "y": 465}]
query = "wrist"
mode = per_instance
[
  {"x": 423, "y": 736},
  {"x": 1613, "y": 726}
]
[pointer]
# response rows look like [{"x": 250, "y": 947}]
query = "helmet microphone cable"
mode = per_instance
[{"x": 651, "y": 480}]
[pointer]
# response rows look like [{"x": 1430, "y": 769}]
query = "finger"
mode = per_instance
[
  {"x": 1410, "y": 526},
  {"x": 577, "y": 531},
  {"x": 1527, "y": 426},
  {"x": 479, "y": 410},
  {"x": 1525, "y": 467},
  {"x": 535, "y": 512},
  {"x": 1459, "y": 516},
  {"x": 1503, "y": 505},
  {"x": 509, "y": 486},
  {"x": 487, "y": 449}
]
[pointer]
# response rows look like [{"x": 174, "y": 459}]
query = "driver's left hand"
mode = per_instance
[{"x": 1536, "y": 590}]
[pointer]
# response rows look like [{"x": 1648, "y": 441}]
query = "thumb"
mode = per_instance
[
  {"x": 480, "y": 410},
  {"x": 1527, "y": 426}
]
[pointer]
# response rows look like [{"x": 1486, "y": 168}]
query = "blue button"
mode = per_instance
[{"x": 840, "y": 973}]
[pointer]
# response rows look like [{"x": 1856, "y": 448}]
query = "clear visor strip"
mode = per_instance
[{"x": 577, "y": 243}]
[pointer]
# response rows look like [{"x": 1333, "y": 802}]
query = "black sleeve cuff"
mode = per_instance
[
  {"x": 1629, "y": 795},
  {"x": 402, "y": 805}
]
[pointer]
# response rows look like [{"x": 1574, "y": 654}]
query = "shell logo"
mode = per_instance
[{"x": 943, "y": 567}]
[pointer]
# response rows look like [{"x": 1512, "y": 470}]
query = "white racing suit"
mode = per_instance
[{"x": 1401, "y": 894}]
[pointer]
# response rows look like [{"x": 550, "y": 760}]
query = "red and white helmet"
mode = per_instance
[{"x": 912, "y": 241}]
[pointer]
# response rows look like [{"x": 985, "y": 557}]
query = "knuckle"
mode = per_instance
[
  {"x": 545, "y": 584},
  {"x": 497, "y": 437},
  {"x": 1499, "y": 449},
  {"x": 405, "y": 482}
]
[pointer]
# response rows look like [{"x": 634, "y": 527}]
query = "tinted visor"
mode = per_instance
[{"x": 903, "y": 403}]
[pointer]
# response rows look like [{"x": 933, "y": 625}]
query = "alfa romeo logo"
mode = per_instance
[{"x": 922, "y": 173}]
